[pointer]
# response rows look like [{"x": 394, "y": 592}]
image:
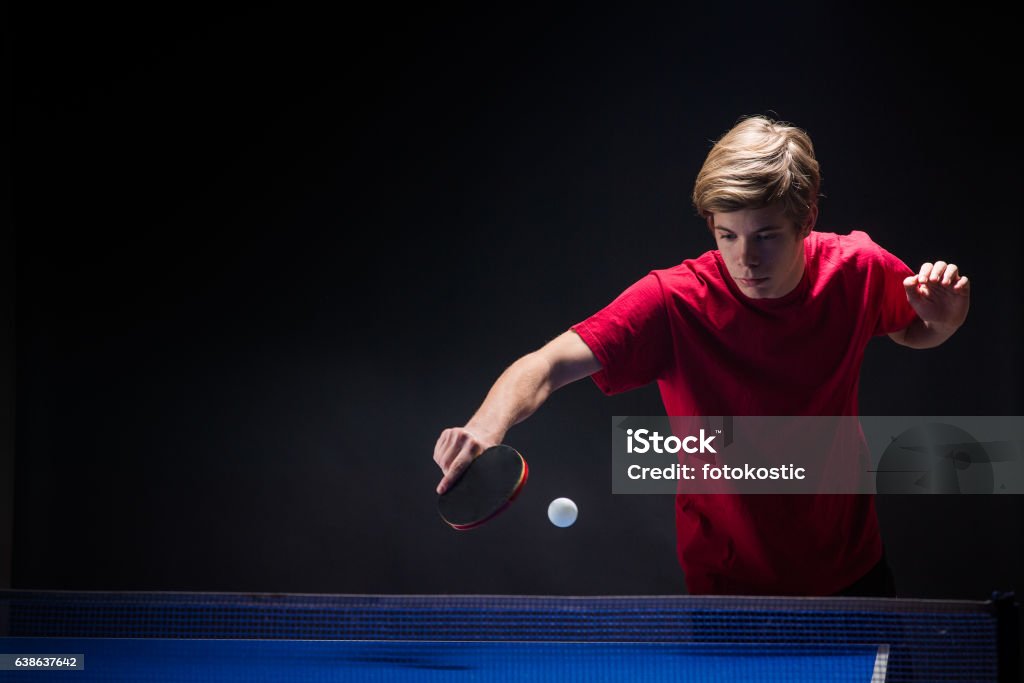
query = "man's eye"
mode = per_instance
[
  {"x": 728, "y": 237},
  {"x": 766, "y": 237}
]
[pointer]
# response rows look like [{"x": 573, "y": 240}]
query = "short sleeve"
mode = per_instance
[
  {"x": 896, "y": 312},
  {"x": 630, "y": 337}
]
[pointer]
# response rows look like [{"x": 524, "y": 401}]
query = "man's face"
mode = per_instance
[{"x": 762, "y": 249}]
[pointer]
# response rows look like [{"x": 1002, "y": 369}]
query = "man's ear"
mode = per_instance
[
  {"x": 710, "y": 218},
  {"x": 810, "y": 222}
]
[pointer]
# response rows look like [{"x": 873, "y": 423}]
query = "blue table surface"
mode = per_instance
[{"x": 149, "y": 659}]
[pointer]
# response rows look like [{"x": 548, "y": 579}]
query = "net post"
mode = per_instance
[{"x": 1008, "y": 635}]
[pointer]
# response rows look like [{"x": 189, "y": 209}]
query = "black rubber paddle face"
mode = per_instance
[{"x": 488, "y": 485}]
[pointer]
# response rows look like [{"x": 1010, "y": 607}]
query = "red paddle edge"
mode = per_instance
[{"x": 515, "y": 492}]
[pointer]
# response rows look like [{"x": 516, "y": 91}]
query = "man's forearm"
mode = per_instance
[
  {"x": 922, "y": 335},
  {"x": 521, "y": 390}
]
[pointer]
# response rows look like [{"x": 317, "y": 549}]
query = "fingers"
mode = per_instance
[
  {"x": 453, "y": 452},
  {"x": 455, "y": 470},
  {"x": 946, "y": 275},
  {"x": 942, "y": 273},
  {"x": 912, "y": 284},
  {"x": 449, "y": 445},
  {"x": 937, "y": 272},
  {"x": 441, "y": 449}
]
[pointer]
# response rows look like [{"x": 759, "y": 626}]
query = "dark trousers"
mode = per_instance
[{"x": 877, "y": 583}]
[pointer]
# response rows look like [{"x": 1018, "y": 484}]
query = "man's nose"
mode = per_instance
[{"x": 749, "y": 256}]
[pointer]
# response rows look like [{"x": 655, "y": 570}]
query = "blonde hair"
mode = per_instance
[{"x": 759, "y": 162}]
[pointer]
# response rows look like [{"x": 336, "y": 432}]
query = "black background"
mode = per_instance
[{"x": 264, "y": 258}]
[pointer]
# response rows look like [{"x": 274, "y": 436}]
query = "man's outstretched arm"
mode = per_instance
[
  {"x": 941, "y": 297},
  {"x": 517, "y": 394}
]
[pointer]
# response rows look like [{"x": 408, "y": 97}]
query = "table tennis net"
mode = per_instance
[{"x": 920, "y": 640}]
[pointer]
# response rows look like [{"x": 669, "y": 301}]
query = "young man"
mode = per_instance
[{"x": 774, "y": 322}]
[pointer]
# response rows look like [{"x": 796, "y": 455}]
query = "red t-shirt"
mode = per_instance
[{"x": 715, "y": 351}]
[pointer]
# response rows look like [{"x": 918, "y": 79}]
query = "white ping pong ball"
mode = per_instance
[{"x": 562, "y": 512}]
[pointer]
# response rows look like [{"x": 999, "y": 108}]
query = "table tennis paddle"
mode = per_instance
[{"x": 489, "y": 484}]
